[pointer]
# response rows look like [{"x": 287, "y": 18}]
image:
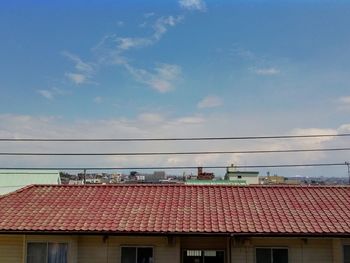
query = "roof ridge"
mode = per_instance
[
  {"x": 188, "y": 186},
  {"x": 18, "y": 190}
]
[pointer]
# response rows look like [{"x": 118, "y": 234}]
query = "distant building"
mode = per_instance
[
  {"x": 156, "y": 177},
  {"x": 204, "y": 175},
  {"x": 214, "y": 182},
  {"x": 247, "y": 177},
  {"x": 93, "y": 181},
  {"x": 276, "y": 179},
  {"x": 12, "y": 180},
  {"x": 75, "y": 182}
]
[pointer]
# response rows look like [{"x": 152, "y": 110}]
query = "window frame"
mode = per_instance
[
  {"x": 46, "y": 242},
  {"x": 343, "y": 251},
  {"x": 271, "y": 248},
  {"x": 137, "y": 247}
]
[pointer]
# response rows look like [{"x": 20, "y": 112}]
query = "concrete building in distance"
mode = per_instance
[
  {"x": 12, "y": 180},
  {"x": 246, "y": 177}
]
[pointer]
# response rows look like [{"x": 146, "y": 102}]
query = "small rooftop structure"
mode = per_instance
[
  {"x": 11, "y": 180},
  {"x": 204, "y": 175},
  {"x": 248, "y": 177}
]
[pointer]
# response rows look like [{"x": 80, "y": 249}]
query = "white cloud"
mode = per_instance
[
  {"x": 77, "y": 78},
  {"x": 148, "y": 15},
  {"x": 120, "y": 23},
  {"x": 98, "y": 100},
  {"x": 125, "y": 43},
  {"x": 343, "y": 103},
  {"x": 150, "y": 124},
  {"x": 345, "y": 99},
  {"x": 190, "y": 120},
  {"x": 46, "y": 94},
  {"x": 209, "y": 102},
  {"x": 84, "y": 70},
  {"x": 193, "y": 4},
  {"x": 122, "y": 44},
  {"x": 149, "y": 117},
  {"x": 266, "y": 71},
  {"x": 80, "y": 65},
  {"x": 51, "y": 93},
  {"x": 161, "y": 25},
  {"x": 162, "y": 78}
]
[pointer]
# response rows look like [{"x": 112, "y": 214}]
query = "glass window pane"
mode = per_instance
[
  {"x": 36, "y": 252},
  {"x": 128, "y": 255},
  {"x": 212, "y": 256},
  {"x": 192, "y": 256},
  {"x": 280, "y": 255},
  {"x": 58, "y": 253},
  {"x": 263, "y": 255},
  {"x": 346, "y": 254},
  {"x": 144, "y": 255}
]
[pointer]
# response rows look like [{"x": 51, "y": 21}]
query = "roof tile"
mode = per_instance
[{"x": 178, "y": 208}]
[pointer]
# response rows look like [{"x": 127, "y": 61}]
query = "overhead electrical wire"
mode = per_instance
[
  {"x": 177, "y": 167},
  {"x": 171, "y": 139},
  {"x": 174, "y": 153}
]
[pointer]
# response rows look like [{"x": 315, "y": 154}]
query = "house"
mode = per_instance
[
  {"x": 175, "y": 223},
  {"x": 11, "y": 180},
  {"x": 246, "y": 177}
]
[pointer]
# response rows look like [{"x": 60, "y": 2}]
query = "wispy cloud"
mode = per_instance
[
  {"x": 345, "y": 100},
  {"x": 154, "y": 124},
  {"x": 98, "y": 100},
  {"x": 163, "y": 23},
  {"x": 46, "y": 94},
  {"x": 148, "y": 15},
  {"x": 118, "y": 45},
  {"x": 193, "y": 4},
  {"x": 77, "y": 78},
  {"x": 80, "y": 65},
  {"x": 266, "y": 71},
  {"x": 51, "y": 93},
  {"x": 162, "y": 78},
  {"x": 113, "y": 49},
  {"x": 120, "y": 23},
  {"x": 84, "y": 70},
  {"x": 343, "y": 103},
  {"x": 209, "y": 102}
]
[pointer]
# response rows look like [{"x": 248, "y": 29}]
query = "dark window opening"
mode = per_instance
[
  {"x": 137, "y": 255},
  {"x": 39, "y": 252},
  {"x": 271, "y": 255},
  {"x": 346, "y": 254}
]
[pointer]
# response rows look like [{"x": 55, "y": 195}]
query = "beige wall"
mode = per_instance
[
  {"x": 94, "y": 249},
  {"x": 11, "y": 249},
  {"x": 303, "y": 250},
  {"x": 91, "y": 249}
]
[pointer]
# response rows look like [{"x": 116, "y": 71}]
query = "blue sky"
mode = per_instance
[{"x": 174, "y": 68}]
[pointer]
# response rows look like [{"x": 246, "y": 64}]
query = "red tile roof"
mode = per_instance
[{"x": 266, "y": 210}]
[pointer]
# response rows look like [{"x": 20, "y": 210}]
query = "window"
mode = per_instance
[
  {"x": 43, "y": 252},
  {"x": 346, "y": 254},
  {"x": 203, "y": 256},
  {"x": 271, "y": 255},
  {"x": 137, "y": 255}
]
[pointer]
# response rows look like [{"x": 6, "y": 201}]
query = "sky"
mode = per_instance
[{"x": 180, "y": 68}]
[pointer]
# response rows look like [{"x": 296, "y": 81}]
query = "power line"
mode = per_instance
[
  {"x": 177, "y": 167},
  {"x": 174, "y": 153},
  {"x": 170, "y": 139}
]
